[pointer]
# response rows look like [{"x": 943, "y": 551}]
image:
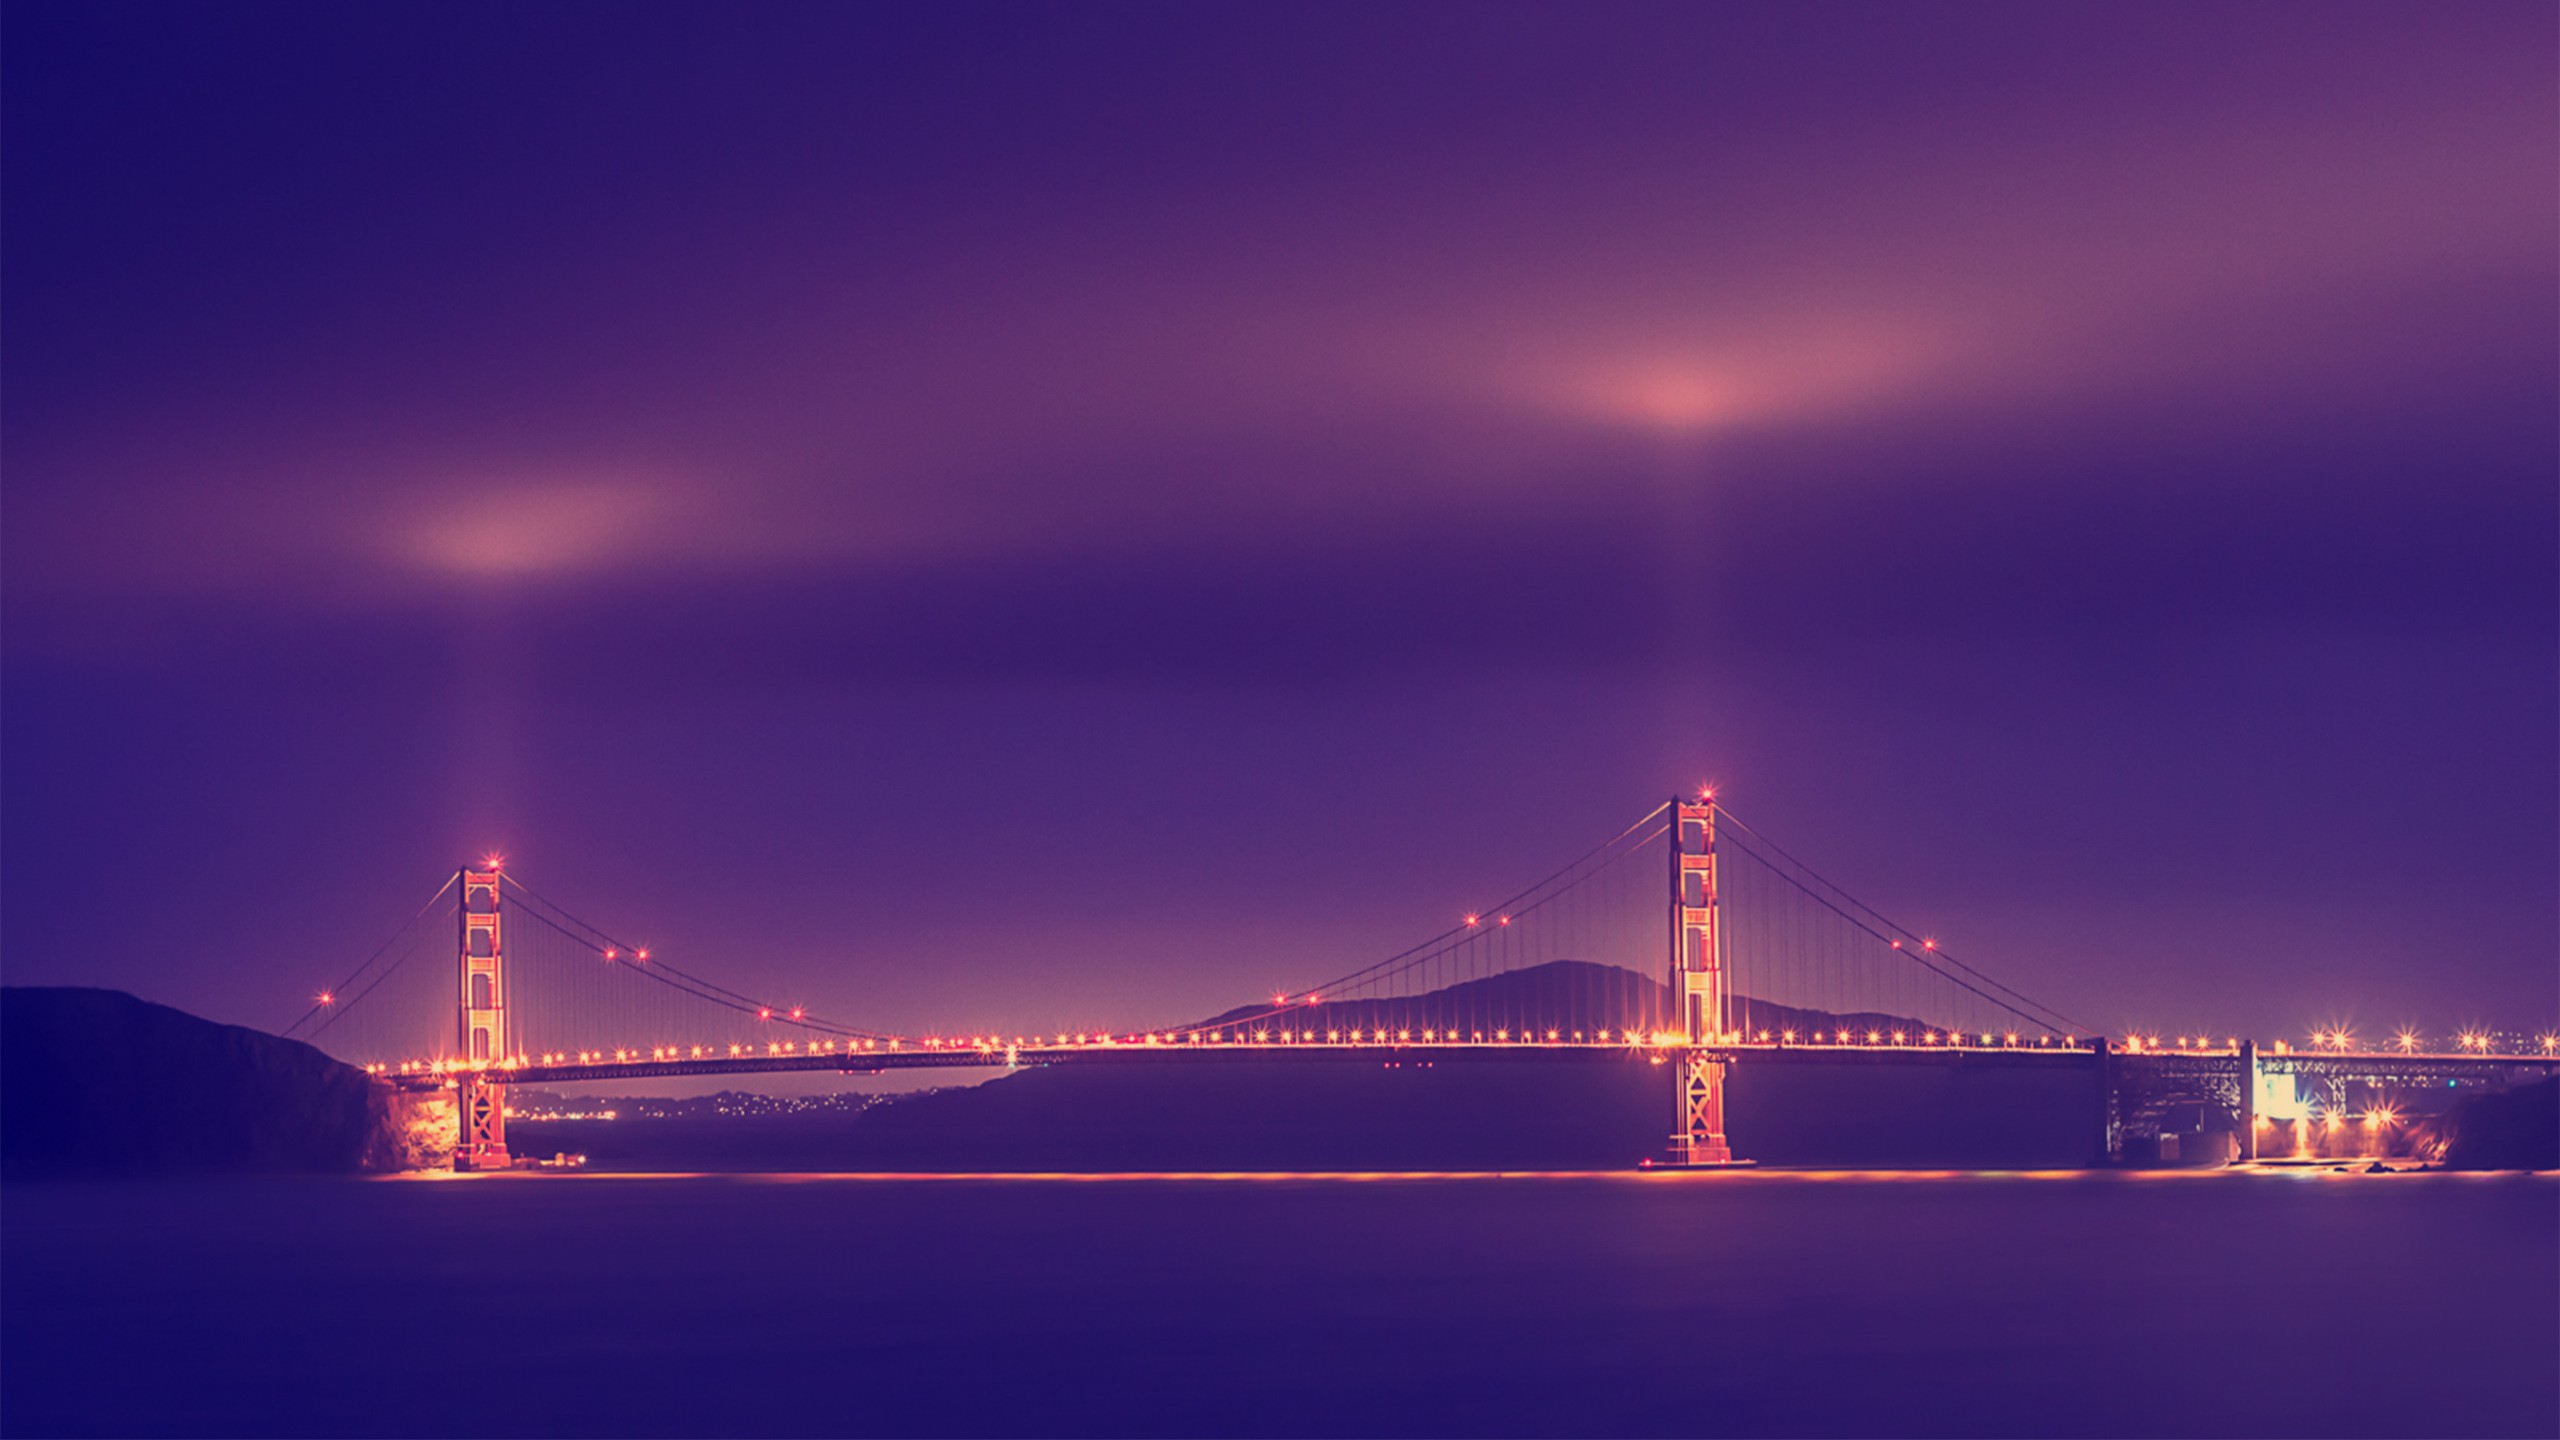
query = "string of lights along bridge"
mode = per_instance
[{"x": 1687, "y": 940}]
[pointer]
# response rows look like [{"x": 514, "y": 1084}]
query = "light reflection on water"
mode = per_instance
[
  {"x": 1640, "y": 1302},
  {"x": 1660, "y": 1175}
]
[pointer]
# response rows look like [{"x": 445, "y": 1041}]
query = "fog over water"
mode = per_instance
[{"x": 1737, "y": 1303}]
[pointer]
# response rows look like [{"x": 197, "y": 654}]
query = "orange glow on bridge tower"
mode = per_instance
[
  {"x": 483, "y": 1036},
  {"x": 1697, "y": 983}
]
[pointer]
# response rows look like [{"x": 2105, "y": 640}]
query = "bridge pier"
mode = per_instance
[
  {"x": 2247, "y": 1151},
  {"x": 484, "y": 1126},
  {"x": 1701, "y": 1139},
  {"x": 2109, "y": 1143}
]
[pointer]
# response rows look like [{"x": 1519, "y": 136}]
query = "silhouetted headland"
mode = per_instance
[
  {"x": 2516, "y": 1129},
  {"x": 99, "y": 1083}
]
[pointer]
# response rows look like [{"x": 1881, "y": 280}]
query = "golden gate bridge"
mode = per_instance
[{"x": 1687, "y": 941}]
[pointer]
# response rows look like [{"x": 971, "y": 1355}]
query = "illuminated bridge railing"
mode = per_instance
[{"x": 980, "y": 1051}]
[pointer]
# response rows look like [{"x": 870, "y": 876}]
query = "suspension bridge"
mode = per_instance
[{"x": 1687, "y": 941}]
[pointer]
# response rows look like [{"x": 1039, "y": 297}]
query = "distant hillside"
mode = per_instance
[
  {"x": 1568, "y": 994},
  {"x": 96, "y": 1082}
]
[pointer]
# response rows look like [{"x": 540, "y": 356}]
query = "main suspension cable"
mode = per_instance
[{"x": 328, "y": 999}]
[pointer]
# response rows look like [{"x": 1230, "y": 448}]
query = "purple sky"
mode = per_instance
[{"x": 1011, "y": 515}]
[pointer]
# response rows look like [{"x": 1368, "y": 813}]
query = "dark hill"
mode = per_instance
[
  {"x": 96, "y": 1082},
  {"x": 1568, "y": 994},
  {"x": 2516, "y": 1129}
]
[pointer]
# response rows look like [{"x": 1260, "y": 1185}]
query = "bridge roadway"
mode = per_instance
[
  {"x": 666, "y": 1062},
  {"x": 2386, "y": 1066}
]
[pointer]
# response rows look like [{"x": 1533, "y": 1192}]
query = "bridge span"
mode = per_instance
[
  {"x": 1762, "y": 962},
  {"x": 666, "y": 1064},
  {"x": 2127, "y": 1086}
]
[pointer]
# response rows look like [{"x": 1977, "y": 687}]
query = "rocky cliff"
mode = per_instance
[
  {"x": 96, "y": 1082},
  {"x": 2516, "y": 1129}
]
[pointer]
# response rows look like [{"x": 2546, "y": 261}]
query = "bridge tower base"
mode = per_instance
[
  {"x": 2247, "y": 1153},
  {"x": 1701, "y": 1139},
  {"x": 484, "y": 1126},
  {"x": 2110, "y": 1143}
]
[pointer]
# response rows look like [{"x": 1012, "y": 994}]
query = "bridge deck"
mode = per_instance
[
  {"x": 636, "y": 1065},
  {"x": 2393, "y": 1065},
  {"x": 667, "y": 1063}
]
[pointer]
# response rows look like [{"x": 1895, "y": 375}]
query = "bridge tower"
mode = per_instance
[
  {"x": 483, "y": 1025},
  {"x": 1697, "y": 983}
]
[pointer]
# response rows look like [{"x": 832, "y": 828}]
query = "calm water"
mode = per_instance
[{"x": 1747, "y": 1303}]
